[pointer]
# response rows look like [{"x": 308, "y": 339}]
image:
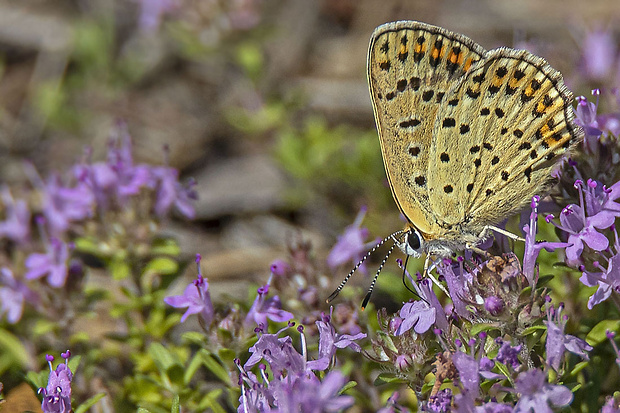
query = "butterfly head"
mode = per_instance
[{"x": 412, "y": 243}]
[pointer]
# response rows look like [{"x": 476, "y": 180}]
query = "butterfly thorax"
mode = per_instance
[{"x": 443, "y": 242}]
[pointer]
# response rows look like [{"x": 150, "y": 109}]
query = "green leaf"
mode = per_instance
[
  {"x": 74, "y": 363},
  {"x": 578, "y": 367},
  {"x": 598, "y": 334},
  {"x": 215, "y": 367},
  {"x": 119, "y": 268},
  {"x": 164, "y": 359},
  {"x": 193, "y": 337},
  {"x": 42, "y": 327},
  {"x": 37, "y": 380},
  {"x": 191, "y": 369},
  {"x": 89, "y": 403},
  {"x": 533, "y": 329},
  {"x": 504, "y": 370},
  {"x": 480, "y": 327},
  {"x": 12, "y": 353},
  {"x": 386, "y": 378},
  {"x": 161, "y": 265},
  {"x": 143, "y": 410},
  {"x": 544, "y": 280},
  {"x": 351, "y": 384},
  {"x": 166, "y": 246},
  {"x": 226, "y": 355},
  {"x": 210, "y": 402}
]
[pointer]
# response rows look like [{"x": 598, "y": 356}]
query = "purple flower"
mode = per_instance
[
  {"x": 585, "y": 116},
  {"x": 280, "y": 353},
  {"x": 607, "y": 281},
  {"x": 439, "y": 403},
  {"x": 294, "y": 387},
  {"x": 558, "y": 342},
  {"x": 508, "y": 354},
  {"x": 457, "y": 282},
  {"x": 611, "y": 405},
  {"x": 468, "y": 368},
  {"x": 13, "y": 294},
  {"x": 598, "y": 54},
  {"x": 152, "y": 11},
  {"x": 280, "y": 268},
  {"x": 582, "y": 229},
  {"x": 329, "y": 340},
  {"x": 309, "y": 394},
  {"x": 53, "y": 263},
  {"x": 171, "y": 193},
  {"x": 536, "y": 393},
  {"x": 16, "y": 225},
  {"x": 421, "y": 315},
  {"x": 263, "y": 309},
  {"x": 350, "y": 245},
  {"x": 63, "y": 205},
  {"x": 130, "y": 178},
  {"x": 533, "y": 248},
  {"x": 57, "y": 394},
  {"x": 611, "y": 336},
  {"x": 493, "y": 407},
  {"x": 196, "y": 298},
  {"x": 417, "y": 315}
]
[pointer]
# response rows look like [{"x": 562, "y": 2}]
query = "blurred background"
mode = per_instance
[{"x": 264, "y": 103}]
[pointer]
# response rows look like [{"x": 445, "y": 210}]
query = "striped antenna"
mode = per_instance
[
  {"x": 374, "y": 280},
  {"x": 342, "y": 284}
]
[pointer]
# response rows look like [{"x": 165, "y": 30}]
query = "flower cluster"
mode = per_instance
[
  {"x": 68, "y": 208},
  {"x": 295, "y": 384}
]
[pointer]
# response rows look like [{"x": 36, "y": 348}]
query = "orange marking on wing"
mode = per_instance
[
  {"x": 468, "y": 64},
  {"x": 529, "y": 92}
]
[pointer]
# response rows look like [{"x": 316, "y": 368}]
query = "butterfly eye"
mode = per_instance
[
  {"x": 413, "y": 243},
  {"x": 413, "y": 239}
]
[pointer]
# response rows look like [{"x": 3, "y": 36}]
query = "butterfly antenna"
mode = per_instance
[
  {"x": 342, "y": 284},
  {"x": 374, "y": 280}
]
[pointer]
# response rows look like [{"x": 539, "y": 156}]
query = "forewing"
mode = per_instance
[
  {"x": 411, "y": 65},
  {"x": 499, "y": 144}
]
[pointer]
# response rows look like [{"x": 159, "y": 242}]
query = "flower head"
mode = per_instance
[
  {"x": 196, "y": 298},
  {"x": 57, "y": 394},
  {"x": 265, "y": 308},
  {"x": 13, "y": 295},
  {"x": 558, "y": 342},
  {"x": 598, "y": 54},
  {"x": 16, "y": 225},
  {"x": 537, "y": 394},
  {"x": 507, "y": 354},
  {"x": 63, "y": 205},
  {"x": 170, "y": 192},
  {"x": 350, "y": 245},
  {"x": 52, "y": 264},
  {"x": 329, "y": 340}
]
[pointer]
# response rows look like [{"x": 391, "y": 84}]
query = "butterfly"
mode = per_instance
[{"x": 468, "y": 136}]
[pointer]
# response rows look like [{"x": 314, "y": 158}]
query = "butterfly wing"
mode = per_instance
[
  {"x": 411, "y": 65},
  {"x": 499, "y": 144}
]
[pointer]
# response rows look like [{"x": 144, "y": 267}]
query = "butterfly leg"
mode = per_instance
[
  {"x": 478, "y": 251},
  {"x": 427, "y": 273},
  {"x": 508, "y": 234}
]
